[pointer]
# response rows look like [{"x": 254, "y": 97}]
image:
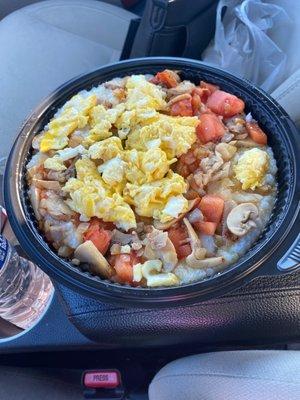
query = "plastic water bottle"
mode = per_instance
[{"x": 24, "y": 288}]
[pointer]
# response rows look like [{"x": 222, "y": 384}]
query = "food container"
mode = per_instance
[{"x": 277, "y": 250}]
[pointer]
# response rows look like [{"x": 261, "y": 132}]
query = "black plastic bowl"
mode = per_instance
[{"x": 261, "y": 259}]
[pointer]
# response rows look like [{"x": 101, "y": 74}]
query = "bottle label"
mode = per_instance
[{"x": 3, "y": 250}]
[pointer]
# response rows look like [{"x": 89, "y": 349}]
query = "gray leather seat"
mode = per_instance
[
  {"x": 232, "y": 375},
  {"x": 47, "y": 43}
]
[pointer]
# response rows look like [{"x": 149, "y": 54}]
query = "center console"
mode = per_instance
[{"x": 265, "y": 311}]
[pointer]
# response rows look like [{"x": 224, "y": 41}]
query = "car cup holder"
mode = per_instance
[{"x": 9, "y": 331}]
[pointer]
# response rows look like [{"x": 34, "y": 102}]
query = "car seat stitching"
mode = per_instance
[{"x": 67, "y": 6}]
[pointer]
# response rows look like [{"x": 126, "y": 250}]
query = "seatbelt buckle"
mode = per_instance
[{"x": 104, "y": 384}]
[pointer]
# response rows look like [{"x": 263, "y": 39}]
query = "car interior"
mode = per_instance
[{"x": 241, "y": 345}]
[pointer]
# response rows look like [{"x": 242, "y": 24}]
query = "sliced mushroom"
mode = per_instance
[
  {"x": 227, "y": 137},
  {"x": 247, "y": 143},
  {"x": 123, "y": 238},
  {"x": 150, "y": 267},
  {"x": 151, "y": 271},
  {"x": 148, "y": 253},
  {"x": 87, "y": 252},
  {"x": 160, "y": 246},
  {"x": 41, "y": 184},
  {"x": 236, "y": 125},
  {"x": 61, "y": 176},
  {"x": 242, "y": 136},
  {"x": 226, "y": 150},
  {"x": 184, "y": 96},
  {"x": 222, "y": 173},
  {"x": 35, "y": 197},
  {"x": 208, "y": 262},
  {"x": 168, "y": 256},
  {"x": 228, "y": 206},
  {"x": 55, "y": 206},
  {"x": 181, "y": 88},
  {"x": 212, "y": 164},
  {"x": 157, "y": 238},
  {"x": 198, "y": 252},
  {"x": 164, "y": 226},
  {"x": 242, "y": 218}
]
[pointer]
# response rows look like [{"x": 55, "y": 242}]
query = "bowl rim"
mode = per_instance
[{"x": 68, "y": 274}]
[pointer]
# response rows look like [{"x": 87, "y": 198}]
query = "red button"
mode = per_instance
[{"x": 101, "y": 379}]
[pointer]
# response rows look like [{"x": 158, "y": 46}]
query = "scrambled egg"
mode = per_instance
[
  {"x": 90, "y": 196},
  {"x": 174, "y": 135},
  {"x": 153, "y": 199},
  {"x": 56, "y": 162},
  {"x": 113, "y": 171},
  {"x": 101, "y": 121},
  {"x": 251, "y": 168},
  {"x": 141, "y": 105},
  {"x": 106, "y": 149},
  {"x": 142, "y": 94},
  {"x": 74, "y": 115},
  {"x": 125, "y": 157},
  {"x": 146, "y": 166}
]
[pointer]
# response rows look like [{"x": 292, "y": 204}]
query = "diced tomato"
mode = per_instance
[
  {"x": 205, "y": 227},
  {"x": 225, "y": 104},
  {"x": 204, "y": 90},
  {"x": 178, "y": 237},
  {"x": 209, "y": 86},
  {"x": 210, "y": 128},
  {"x": 212, "y": 207},
  {"x": 102, "y": 224},
  {"x": 202, "y": 93},
  {"x": 183, "y": 108},
  {"x": 166, "y": 78},
  {"x": 183, "y": 251},
  {"x": 98, "y": 235},
  {"x": 123, "y": 267},
  {"x": 123, "y": 264},
  {"x": 256, "y": 133}
]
